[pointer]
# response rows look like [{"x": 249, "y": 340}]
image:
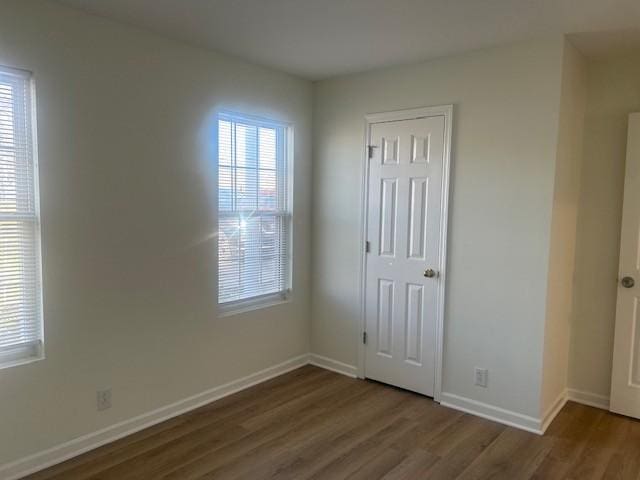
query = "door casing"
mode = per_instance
[{"x": 445, "y": 111}]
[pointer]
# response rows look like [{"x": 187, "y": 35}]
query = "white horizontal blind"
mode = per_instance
[
  {"x": 254, "y": 221},
  {"x": 20, "y": 286}
]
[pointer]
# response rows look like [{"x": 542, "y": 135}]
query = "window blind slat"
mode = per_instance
[
  {"x": 253, "y": 218},
  {"x": 20, "y": 284}
]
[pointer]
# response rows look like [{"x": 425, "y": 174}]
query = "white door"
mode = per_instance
[
  {"x": 403, "y": 230},
  {"x": 625, "y": 382}
]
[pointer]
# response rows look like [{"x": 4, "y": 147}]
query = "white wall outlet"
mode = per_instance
[
  {"x": 103, "y": 398},
  {"x": 482, "y": 377}
]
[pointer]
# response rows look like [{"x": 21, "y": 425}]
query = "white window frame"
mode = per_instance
[
  {"x": 257, "y": 302},
  {"x": 27, "y": 353}
]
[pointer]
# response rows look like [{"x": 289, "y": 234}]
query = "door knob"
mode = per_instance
[
  {"x": 627, "y": 282},
  {"x": 429, "y": 273}
]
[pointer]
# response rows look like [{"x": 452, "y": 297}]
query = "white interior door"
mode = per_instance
[
  {"x": 625, "y": 382},
  {"x": 403, "y": 230}
]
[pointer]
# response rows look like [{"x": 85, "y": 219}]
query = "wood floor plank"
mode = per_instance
[
  {"x": 625, "y": 465},
  {"x": 603, "y": 442},
  {"x": 315, "y": 424},
  {"x": 354, "y": 459},
  {"x": 434, "y": 421},
  {"x": 514, "y": 455},
  {"x": 570, "y": 431},
  {"x": 379, "y": 466},
  {"x": 470, "y": 437},
  {"x": 415, "y": 465}
]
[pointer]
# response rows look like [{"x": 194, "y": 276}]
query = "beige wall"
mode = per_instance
[
  {"x": 613, "y": 93},
  {"x": 563, "y": 228},
  {"x": 505, "y": 133},
  {"x": 127, "y": 211}
]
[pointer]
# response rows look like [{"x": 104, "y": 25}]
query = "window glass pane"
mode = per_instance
[
  {"x": 268, "y": 148},
  {"x": 268, "y": 199},
  {"x": 225, "y": 188},
  {"x": 7, "y": 115},
  {"x": 224, "y": 143},
  {"x": 249, "y": 261},
  {"x": 246, "y": 146},
  {"x": 8, "y": 181},
  {"x": 18, "y": 283},
  {"x": 270, "y": 252},
  {"x": 246, "y": 188},
  {"x": 228, "y": 257}
]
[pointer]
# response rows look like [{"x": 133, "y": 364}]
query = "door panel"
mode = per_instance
[
  {"x": 635, "y": 351},
  {"x": 390, "y": 150},
  {"x": 418, "y": 217},
  {"x": 388, "y": 214},
  {"x": 625, "y": 383},
  {"x": 419, "y": 149},
  {"x": 413, "y": 330},
  {"x": 403, "y": 228},
  {"x": 384, "y": 332}
]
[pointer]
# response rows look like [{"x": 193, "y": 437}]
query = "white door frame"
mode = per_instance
[{"x": 445, "y": 111}]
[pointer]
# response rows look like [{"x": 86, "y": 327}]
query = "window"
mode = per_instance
[
  {"x": 20, "y": 285},
  {"x": 254, "y": 220}
]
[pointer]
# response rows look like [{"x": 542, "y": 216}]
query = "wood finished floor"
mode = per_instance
[{"x": 315, "y": 424}]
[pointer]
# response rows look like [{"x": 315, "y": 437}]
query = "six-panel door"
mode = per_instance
[{"x": 403, "y": 230}]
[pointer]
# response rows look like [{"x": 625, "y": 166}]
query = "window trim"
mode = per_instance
[
  {"x": 257, "y": 302},
  {"x": 23, "y": 354}
]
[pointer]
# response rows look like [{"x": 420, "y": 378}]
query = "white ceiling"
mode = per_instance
[{"x": 321, "y": 38}]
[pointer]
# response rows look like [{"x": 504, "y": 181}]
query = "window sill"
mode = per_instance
[
  {"x": 251, "y": 304},
  {"x": 21, "y": 356}
]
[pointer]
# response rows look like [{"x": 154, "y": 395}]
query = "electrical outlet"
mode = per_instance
[
  {"x": 103, "y": 398},
  {"x": 482, "y": 377}
]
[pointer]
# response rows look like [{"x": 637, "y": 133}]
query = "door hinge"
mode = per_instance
[
  {"x": 364, "y": 337},
  {"x": 370, "y": 149},
  {"x": 367, "y": 246}
]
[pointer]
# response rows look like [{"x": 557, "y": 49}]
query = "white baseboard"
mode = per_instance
[
  {"x": 333, "y": 365},
  {"x": 490, "y": 412},
  {"x": 588, "y": 398},
  {"x": 60, "y": 453},
  {"x": 553, "y": 410}
]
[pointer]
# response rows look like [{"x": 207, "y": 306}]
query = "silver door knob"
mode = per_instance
[
  {"x": 429, "y": 273},
  {"x": 627, "y": 282}
]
